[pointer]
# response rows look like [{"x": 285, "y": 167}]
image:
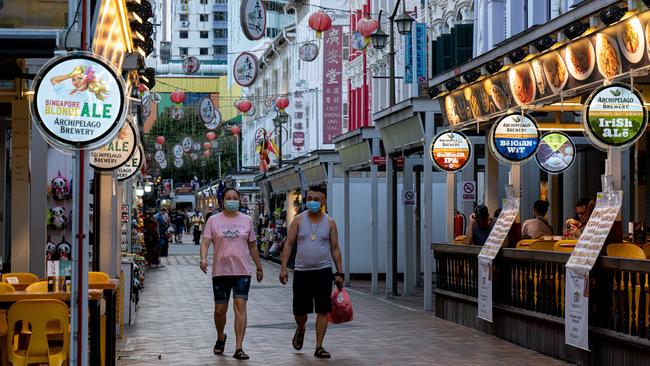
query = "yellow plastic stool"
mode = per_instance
[
  {"x": 40, "y": 286},
  {"x": 23, "y": 277}
]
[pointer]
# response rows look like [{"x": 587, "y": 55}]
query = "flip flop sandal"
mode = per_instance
[
  {"x": 220, "y": 345},
  {"x": 240, "y": 355},
  {"x": 298, "y": 339},
  {"x": 321, "y": 353}
]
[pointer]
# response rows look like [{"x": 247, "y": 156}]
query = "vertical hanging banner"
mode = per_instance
[
  {"x": 420, "y": 54},
  {"x": 332, "y": 77},
  {"x": 491, "y": 249}
]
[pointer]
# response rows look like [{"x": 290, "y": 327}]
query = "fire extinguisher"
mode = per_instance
[{"x": 459, "y": 224}]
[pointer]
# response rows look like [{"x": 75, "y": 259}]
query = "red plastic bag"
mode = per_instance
[{"x": 341, "y": 307}]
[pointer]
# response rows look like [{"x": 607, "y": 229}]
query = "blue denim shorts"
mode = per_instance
[{"x": 223, "y": 285}]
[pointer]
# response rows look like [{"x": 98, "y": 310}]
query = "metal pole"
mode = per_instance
[
  {"x": 237, "y": 156},
  {"x": 391, "y": 55},
  {"x": 219, "y": 163},
  {"x": 280, "y": 145},
  {"x": 394, "y": 226}
]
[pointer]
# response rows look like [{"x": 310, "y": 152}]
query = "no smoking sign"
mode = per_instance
[
  {"x": 469, "y": 191},
  {"x": 409, "y": 198}
]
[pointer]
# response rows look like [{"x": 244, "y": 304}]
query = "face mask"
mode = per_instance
[
  {"x": 231, "y": 205},
  {"x": 313, "y": 206}
]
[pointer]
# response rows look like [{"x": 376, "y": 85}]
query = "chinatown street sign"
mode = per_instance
[
  {"x": 214, "y": 123},
  {"x": 308, "y": 52},
  {"x": 177, "y": 151},
  {"x": 451, "y": 151},
  {"x": 253, "y": 19},
  {"x": 132, "y": 166},
  {"x": 79, "y": 101},
  {"x": 159, "y": 156},
  {"x": 206, "y": 110},
  {"x": 556, "y": 152},
  {"x": 191, "y": 65},
  {"x": 117, "y": 152},
  {"x": 162, "y": 164},
  {"x": 187, "y": 144},
  {"x": 514, "y": 138},
  {"x": 245, "y": 69},
  {"x": 614, "y": 116}
]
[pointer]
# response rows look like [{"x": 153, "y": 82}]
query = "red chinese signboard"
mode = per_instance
[{"x": 332, "y": 77}]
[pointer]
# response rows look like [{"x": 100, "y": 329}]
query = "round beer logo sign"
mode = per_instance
[
  {"x": 79, "y": 101},
  {"x": 253, "y": 19},
  {"x": 215, "y": 122},
  {"x": 614, "y": 116},
  {"x": 556, "y": 152},
  {"x": 206, "y": 110},
  {"x": 132, "y": 166},
  {"x": 451, "y": 151},
  {"x": 308, "y": 52},
  {"x": 117, "y": 152},
  {"x": 245, "y": 69},
  {"x": 514, "y": 138}
]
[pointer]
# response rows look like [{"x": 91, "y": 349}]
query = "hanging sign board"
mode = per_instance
[
  {"x": 214, "y": 123},
  {"x": 159, "y": 156},
  {"x": 178, "y": 162},
  {"x": 191, "y": 65},
  {"x": 451, "y": 151},
  {"x": 117, "y": 152},
  {"x": 308, "y": 52},
  {"x": 79, "y": 101},
  {"x": 602, "y": 55},
  {"x": 162, "y": 164},
  {"x": 186, "y": 143},
  {"x": 556, "y": 152},
  {"x": 206, "y": 110},
  {"x": 132, "y": 166},
  {"x": 245, "y": 69},
  {"x": 253, "y": 19},
  {"x": 614, "y": 116},
  {"x": 177, "y": 151},
  {"x": 514, "y": 138}
]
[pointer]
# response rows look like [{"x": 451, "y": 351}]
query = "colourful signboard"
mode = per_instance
[
  {"x": 450, "y": 151},
  {"x": 514, "y": 138},
  {"x": 556, "y": 152},
  {"x": 253, "y": 19},
  {"x": 332, "y": 78},
  {"x": 117, "y": 152}
]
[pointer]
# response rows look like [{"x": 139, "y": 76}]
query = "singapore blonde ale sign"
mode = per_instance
[
  {"x": 450, "y": 151},
  {"x": 117, "y": 152},
  {"x": 79, "y": 101},
  {"x": 615, "y": 116},
  {"x": 132, "y": 166}
]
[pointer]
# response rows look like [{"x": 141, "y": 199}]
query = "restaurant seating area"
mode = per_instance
[{"x": 528, "y": 298}]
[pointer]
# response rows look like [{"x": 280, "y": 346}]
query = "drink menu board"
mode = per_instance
[
  {"x": 500, "y": 229},
  {"x": 593, "y": 237}
]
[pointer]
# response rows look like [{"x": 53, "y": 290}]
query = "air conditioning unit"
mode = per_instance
[{"x": 185, "y": 24}]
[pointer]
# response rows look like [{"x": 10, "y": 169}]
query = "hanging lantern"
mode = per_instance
[
  {"x": 207, "y": 145},
  {"x": 210, "y": 136},
  {"x": 244, "y": 105},
  {"x": 178, "y": 97},
  {"x": 282, "y": 103},
  {"x": 206, "y": 153},
  {"x": 320, "y": 22},
  {"x": 235, "y": 130},
  {"x": 367, "y": 27},
  {"x": 160, "y": 140}
]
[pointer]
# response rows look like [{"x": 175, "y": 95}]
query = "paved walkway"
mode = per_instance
[{"x": 174, "y": 327}]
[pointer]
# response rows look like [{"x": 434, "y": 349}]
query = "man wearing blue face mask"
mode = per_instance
[{"x": 317, "y": 240}]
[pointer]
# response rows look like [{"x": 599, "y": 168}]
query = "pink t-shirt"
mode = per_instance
[{"x": 230, "y": 237}]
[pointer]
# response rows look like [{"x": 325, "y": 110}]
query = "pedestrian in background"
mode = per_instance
[
  {"x": 152, "y": 239},
  {"x": 316, "y": 236},
  {"x": 233, "y": 236}
]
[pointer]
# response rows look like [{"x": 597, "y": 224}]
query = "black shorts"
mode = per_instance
[
  {"x": 223, "y": 285},
  {"x": 312, "y": 289}
]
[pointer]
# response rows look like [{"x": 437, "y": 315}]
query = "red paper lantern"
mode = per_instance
[
  {"x": 160, "y": 140},
  {"x": 282, "y": 103},
  {"x": 367, "y": 26},
  {"x": 206, "y": 153},
  {"x": 320, "y": 22},
  {"x": 235, "y": 130},
  {"x": 178, "y": 96},
  {"x": 244, "y": 105},
  {"x": 211, "y": 136},
  {"x": 207, "y": 145}
]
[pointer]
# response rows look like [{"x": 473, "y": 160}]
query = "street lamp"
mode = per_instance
[
  {"x": 148, "y": 187},
  {"x": 139, "y": 191},
  {"x": 404, "y": 23},
  {"x": 278, "y": 121}
]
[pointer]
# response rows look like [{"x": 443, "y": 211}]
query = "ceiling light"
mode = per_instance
[
  {"x": 471, "y": 76},
  {"x": 452, "y": 84},
  {"x": 493, "y": 67},
  {"x": 517, "y": 55},
  {"x": 575, "y": 30},
  {"x": 544, "y": 43},
  {"x": 433, "y": 92},
  {"x": 611, "y": 15}
]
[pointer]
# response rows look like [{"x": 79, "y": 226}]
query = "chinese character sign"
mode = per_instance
[
  {"x": 332, "y": 77},
  {"x": 421, "y": 54}
]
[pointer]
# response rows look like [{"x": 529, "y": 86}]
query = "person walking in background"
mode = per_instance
[
  {"x": 538, "y": 226},
  {"x": 211, "y": 211},
  {"x": 197, "y": 226},
  {"x": 179, "y": 225},
  {"x": 316, "y": 236},
  {"x": 152, "y": 239},
  {"x": 480, "y": 225},
  {"x": 233, "y": 236}
]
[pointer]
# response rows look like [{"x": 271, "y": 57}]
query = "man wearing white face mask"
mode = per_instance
[
  {"x": 232, "y": 234},
  {"x": 317, "y": 240}
]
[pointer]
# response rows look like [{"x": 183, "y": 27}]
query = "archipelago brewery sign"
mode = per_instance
[
  {"x": 451, "y": 151},
  {"x": 79, "y": 101},
  {"x": 117, "y": 152},
  {"x": 556, "y": 152},
  {"x": 132, "y": 166},
  {"x": 514, "y": 138},
  {"x": 615, "y": 116}
]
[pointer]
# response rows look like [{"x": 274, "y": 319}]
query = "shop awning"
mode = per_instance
[
  {"x": 354, "y": 148},
  {"x": 285, "y": 179},
  {"x": 401, "y": 126},
  {"x": 315, "y": 167}
]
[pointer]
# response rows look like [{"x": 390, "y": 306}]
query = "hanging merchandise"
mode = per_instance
[
  {"x": 178, "y": 162},
  {"x": 50, "y": 250},
  {"x": 196, "y": 146},
  {"x": 321, "y": 22},
  {"x": 186, "y": 143},
  {"x": 282, "y": 103},
  {"x": 215, "y": 122},
  {"x": 162, "y": 164},
  {"x": 129, "y": 169},
  {"x": 210, "y": 136},
  {"x": 79, "y": 101},
  {"x": 159, "y": 156},
  {"x": 177, "y": 151},
  {"x": 514, "y": 138},
  {"x": 117, "y": 152},
  {"x": 177, "y": 113},
  {"x": 244, "y": 105},
  {"x": 308, "y": 52},
  {"x": 57, "y": 218},
  {"x": 206, "y": 110},
  {"x": 253, "y": 19},
  {"x": 191, "y": 65},
  {"x": 556, "y": 152},
  {"x": 63, "y": 249},
  {"x": 245, "y": 69},
  {"x": 60, "y": 187}
]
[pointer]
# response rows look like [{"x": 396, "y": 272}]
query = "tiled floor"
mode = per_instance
[{"x": 174, "y": 327}]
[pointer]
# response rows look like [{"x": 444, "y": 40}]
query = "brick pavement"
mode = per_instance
[{"x": 174, "y": 327}]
